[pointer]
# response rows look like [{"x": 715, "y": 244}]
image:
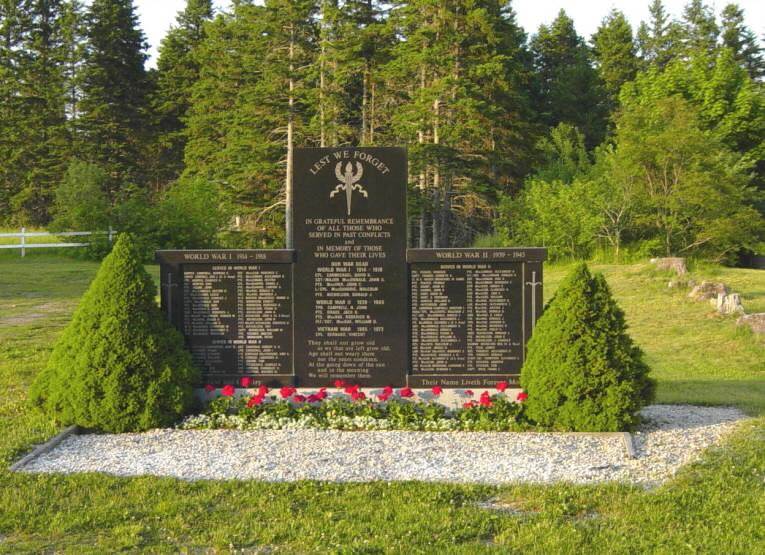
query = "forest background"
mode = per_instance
[{"x": 632, "y": 143}]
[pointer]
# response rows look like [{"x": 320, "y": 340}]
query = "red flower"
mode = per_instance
[
  {"x": 406, "y": 392},
  {"x": 469, "y": 405},
  {"x": 245, "y": 382},
  {"x": 384, "y": 396},
  {"x": 522, "y": 396},
  {"x": 299, "y": 398},
  {"x": 209, "y": 388},
  {"x": 228, "y": 390},
  {"x": 322, "y": 394},
  {"x": 262, "y": 391},
  {"x": 469, "y": 392},
  {"x": 314, "y": 398},
  {"x": 254, "y": 400},
  {"x": 437, "y": 390},
  {"x": 388, "y": 390},
  {"x": 485, "y": 399},
  {"x": 339, "y": 384},
  {"x": 351, "y": 389},
  {"x": 287, "y": 391},
  {"x": 502, "y": 386},
  {"x": 358, "y": 396}
]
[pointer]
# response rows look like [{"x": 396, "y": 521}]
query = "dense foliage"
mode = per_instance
[
  {"x": 118, "y": 366},
  {"x": 583, "y": 372},
  {"x": 494, "y": 120}
]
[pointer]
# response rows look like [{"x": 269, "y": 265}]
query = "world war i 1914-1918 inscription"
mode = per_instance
[
  {"x": 234, "y": 309},
  {"x": 472, "y": 312},
  {"x": 349, "y": 213}
]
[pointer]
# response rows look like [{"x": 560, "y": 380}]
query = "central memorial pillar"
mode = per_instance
[{"x": 350, "y": 277}]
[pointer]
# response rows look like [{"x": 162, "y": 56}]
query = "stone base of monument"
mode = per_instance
[{"x": 450, "y": 398}]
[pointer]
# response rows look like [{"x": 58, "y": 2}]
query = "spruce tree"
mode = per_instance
[
  {"x": 567, "y": 89},
  {"x": 177, "y": 71},
  {"x": 459, "y": 80},
  {"x": 659, "y": 39},
  {"x": 699, "y": 29},
  {"x": 14, "y": 28},
  {"x": 47, "y": 142},
  {"x": 118, "y": 366},
  {"x": 113, "y": 122},
  {"x": 742, "y": 41},
  {"x": 34, "y": 132},
  {"x": 583, "y": 372},
  {"x": 614, "y": 53}
]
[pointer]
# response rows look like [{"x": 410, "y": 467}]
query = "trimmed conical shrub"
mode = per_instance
[
  {"x": 583, "y": 372},
  {"x": 118, "y": 366}
]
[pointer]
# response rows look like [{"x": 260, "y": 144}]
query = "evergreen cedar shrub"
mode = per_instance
[
  {"x": 583, "y": 372},
  {"x": 119, "y": 366}
]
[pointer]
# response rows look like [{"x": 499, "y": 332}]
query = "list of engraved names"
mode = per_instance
[
  {"x": 237, "y": 318},
  {"x": 349, "y": 293},
  {"x": 466, "y": 318}
]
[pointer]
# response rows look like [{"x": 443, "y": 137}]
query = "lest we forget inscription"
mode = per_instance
[
  {"x": 234, "y": 309},
  {"x": 350, "y": 301},
  {"x": 349, "y": 214}
]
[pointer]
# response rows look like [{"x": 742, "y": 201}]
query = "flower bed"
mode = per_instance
[{"x": 349, "y": 408}]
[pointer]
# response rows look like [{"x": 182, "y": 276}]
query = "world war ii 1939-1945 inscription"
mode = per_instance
[{"x": 350, "y": 302}]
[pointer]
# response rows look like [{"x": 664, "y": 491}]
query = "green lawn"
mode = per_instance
[{"x": 717, "y": 505}]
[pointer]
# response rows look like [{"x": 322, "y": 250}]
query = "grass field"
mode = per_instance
[{"x": 717, "y": 505}]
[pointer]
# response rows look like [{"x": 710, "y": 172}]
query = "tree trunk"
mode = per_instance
[
  {"x": 436, "y": 178},
  {"x": 290, "y": 146},
  {"x": 364, "y": 108}
]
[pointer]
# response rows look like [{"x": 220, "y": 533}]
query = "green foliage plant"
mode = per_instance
[
  {"x": 118, "y": 366},
  {"x": 583, "y": 372}
]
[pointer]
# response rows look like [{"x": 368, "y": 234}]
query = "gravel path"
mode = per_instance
[{"x": 672, "y": 436}]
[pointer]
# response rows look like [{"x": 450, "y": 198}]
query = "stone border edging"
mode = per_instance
[{"x": 45, "y": 447}]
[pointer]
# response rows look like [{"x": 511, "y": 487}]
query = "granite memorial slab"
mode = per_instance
[
  {"x": 234, "y": 308},
  {"x": 350, "y": 288},
  {"x": 472, "y": 312}
]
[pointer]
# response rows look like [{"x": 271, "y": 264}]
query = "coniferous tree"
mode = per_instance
[
  {"x": 47, "y": 143},
  {"x": 742, "y": 41},
  {"x": 13, "y": 32},
  {"x": 119, "y": 366},
  {"x": 583, "y": 371},
  {"x": 254, "y": 102},
  {"x": 177, "y": 71},
  {"x": 34, "y": 125},
  {"x": 113, "y": 122},
  {"x": 658, "y": 40},
  {"x": 614, "y": 53},
  {"x": 458, "y": 103},
  {"x": 568, "y": 88},
  {"x": 699, "y": 29}
]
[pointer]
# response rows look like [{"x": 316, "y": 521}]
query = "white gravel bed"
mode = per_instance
[{"x": 673, "y": 435}]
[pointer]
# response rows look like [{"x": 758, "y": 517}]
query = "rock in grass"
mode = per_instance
[
  {"x": 672, "y": 264},
  {"x": 755, "y": 321},
  {"x": 583, "y": 372},
  {"x": 118, "y": 366},
  {"x": 707, "y": 290}
]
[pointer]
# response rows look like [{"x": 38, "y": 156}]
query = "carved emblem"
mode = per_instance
[{"x": 349, "y": 182}]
